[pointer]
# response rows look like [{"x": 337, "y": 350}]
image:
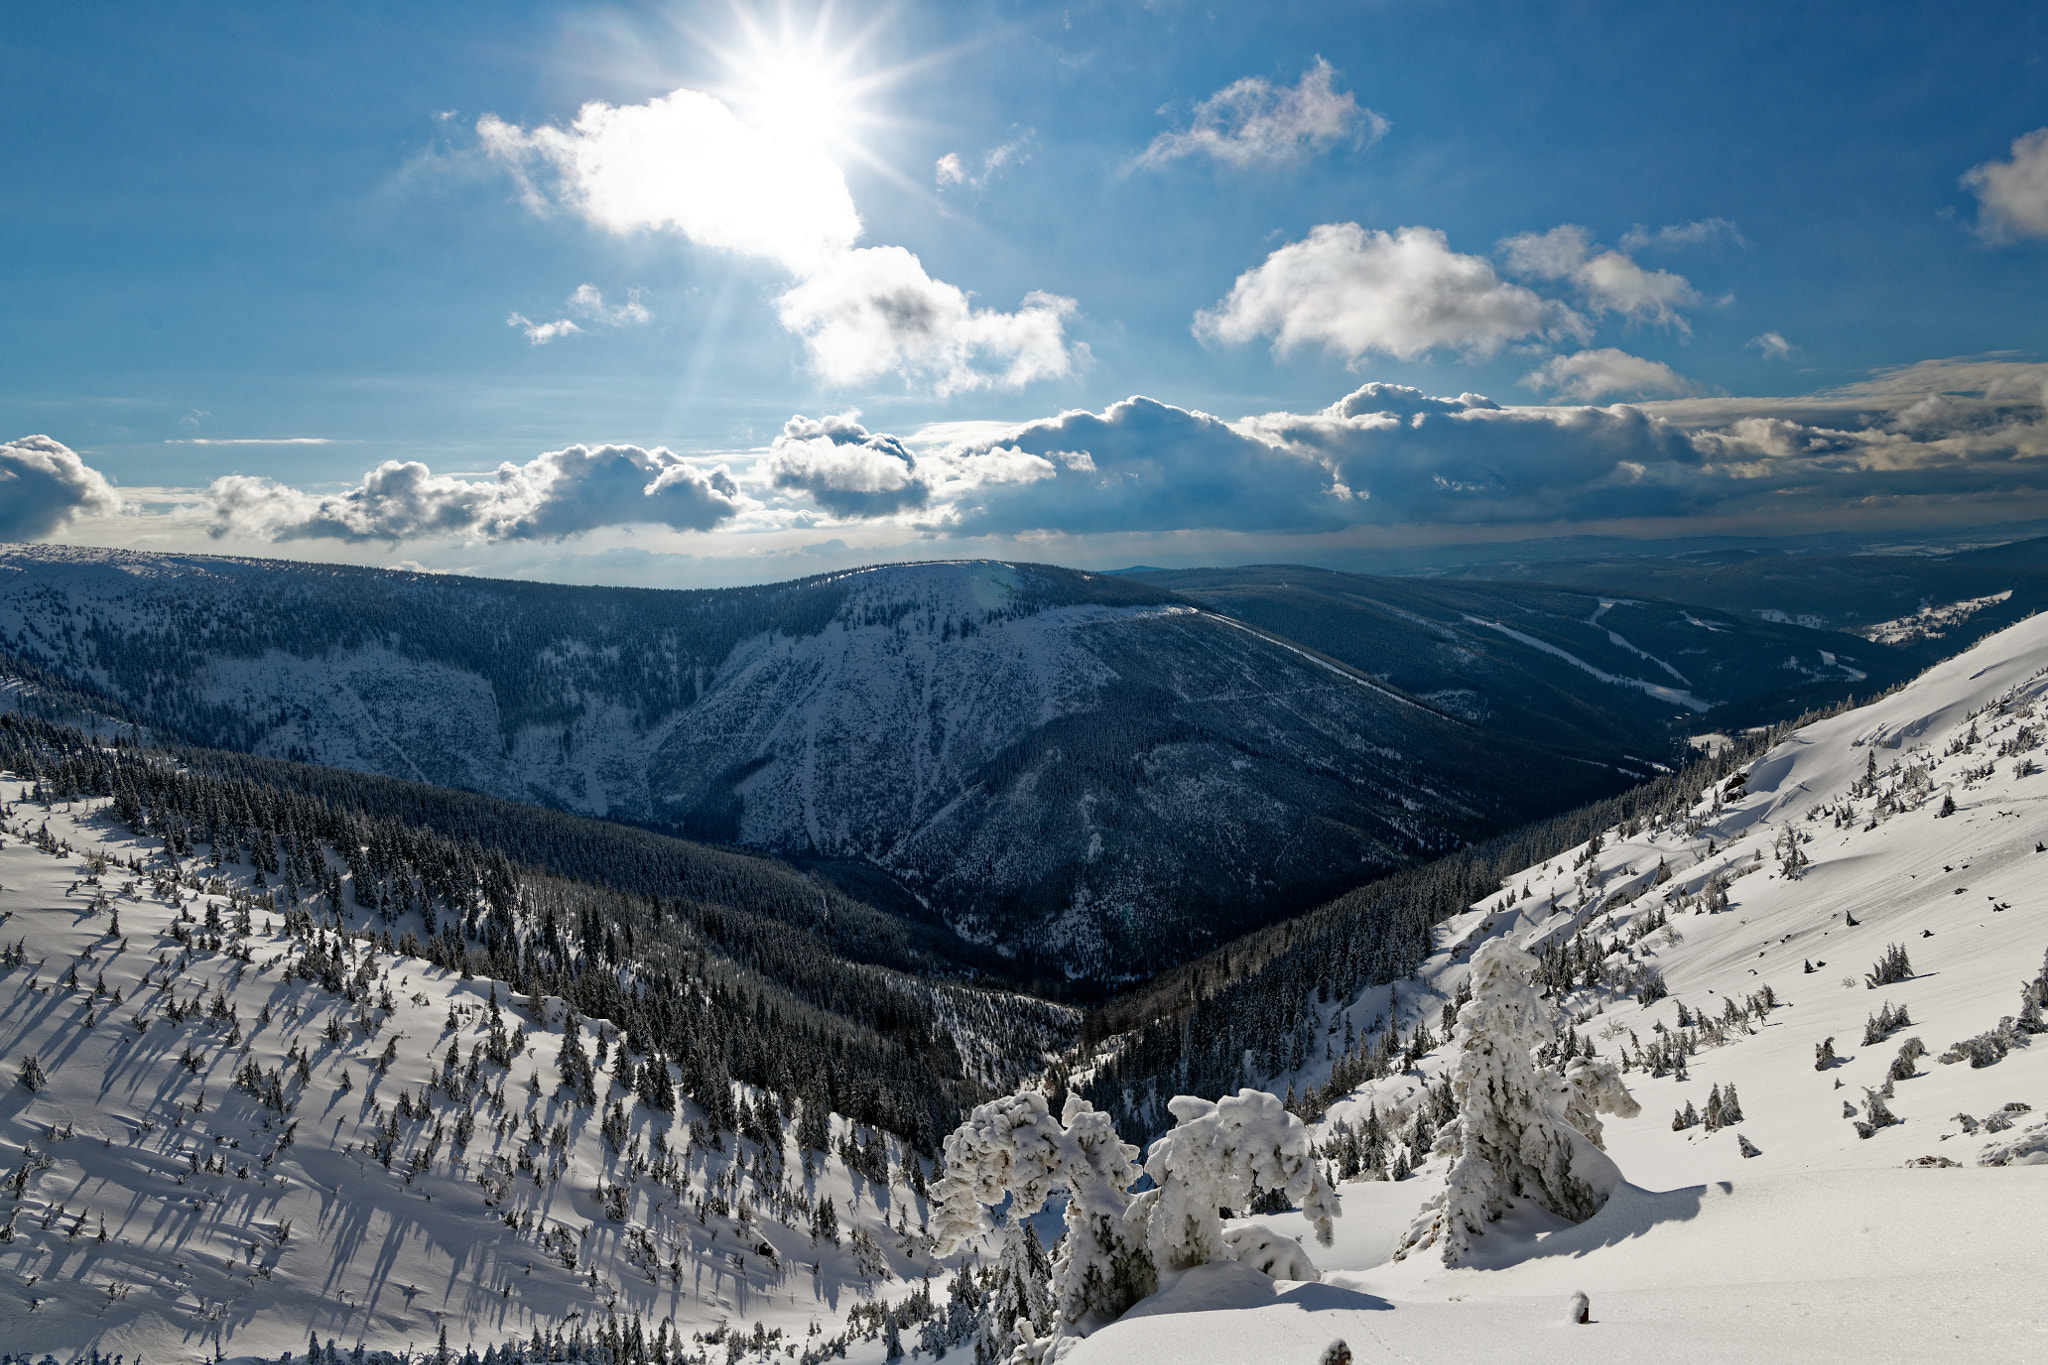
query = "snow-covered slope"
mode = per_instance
[
  {"x": 1792, "y": 1233},
  {"x": 1077, "y": 769},
  {"x": 211, "y": 1151}
]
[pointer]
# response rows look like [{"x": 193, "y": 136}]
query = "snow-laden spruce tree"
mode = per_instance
[
  {"x": 1013, "y": 1148},
  {"x": 1016, "y": 1309},
  {"x": 1514, "y": 1137},
  {"x": 1219, "y": 1156}
]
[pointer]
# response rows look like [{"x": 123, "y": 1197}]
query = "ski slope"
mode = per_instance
[{"x": 1825, "y": 1245}]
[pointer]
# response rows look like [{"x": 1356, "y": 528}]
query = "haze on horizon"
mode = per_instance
[{"x": 693, "y": 294}]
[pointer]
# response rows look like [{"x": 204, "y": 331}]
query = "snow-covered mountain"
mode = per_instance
[
  {"x": 1088, "y": 772},
  {"x": 1830, "y": 954}
]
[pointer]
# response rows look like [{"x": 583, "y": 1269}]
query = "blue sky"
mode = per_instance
[{"x": 683, "y": 294}]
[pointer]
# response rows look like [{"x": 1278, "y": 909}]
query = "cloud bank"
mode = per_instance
[
  {"x": 561, "y": 493},
  {"x": 1949, "y": 436},
  {"x": 1253, "y": 123},
  {"x": 44, "y": 484},
  {"x": 686, "y": 164}
]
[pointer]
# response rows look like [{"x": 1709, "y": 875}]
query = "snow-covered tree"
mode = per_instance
[
  {"x": 1593, "y": 1087},
  {"x": 1514, "y": 1136},
  {"x": 1221, "y": 1155},
  {"x": 1012, "y": 1148}
]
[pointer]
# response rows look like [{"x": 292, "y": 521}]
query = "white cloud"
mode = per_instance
[
  {"x": 589, "y": 303},
  {"x": 1773, "y": 345},
  {"x": 684, "y": 163},
  {"x": 952, "y": 168},
  {"x": 2013, "y": 195},
  {"x": 541, "y": 333},
  {"x": 1355, "y": 292},
  {"x": 1610, "y": 281},
  {"x": 249, "y": 441},
  {"x": 1593, "y": 374},
  {"x": 43, "y": 484},
  {"x": 560, "y": 493},
  {"x": 874, "y": 310},
  {"x": 1678, "y": 236},
  {"x": 846, "y": 470},
  {"x": 1253, "y": 123}
]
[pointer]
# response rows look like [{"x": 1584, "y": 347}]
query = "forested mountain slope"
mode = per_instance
[
  {"x": 1846, "y": 592},
  {"x": 1606, "y": 670},
  {"x": 234, "y": 1116},
  {"x": 1087, "y": 773}
]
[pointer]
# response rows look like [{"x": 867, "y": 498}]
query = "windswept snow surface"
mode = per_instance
[{"x": 1826, "y": 1245}]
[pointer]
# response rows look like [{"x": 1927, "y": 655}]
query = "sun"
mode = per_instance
[
  {"x": 799, "y": 80},
  {"x": 799, "y": 94}
]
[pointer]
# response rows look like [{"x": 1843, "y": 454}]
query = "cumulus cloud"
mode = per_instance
[
  {"x": 44, "y": 484},
  {"x": 1609, "y": 280},
  {"x": 2012, "y": 196},
  {"x": 1140, "y": 465},
  {"x": 588, "y": 303},
  {"x": 1678, "y": 236},
  {"x": 1587, "y": 375},
  {"x": 844, "y": 468},
  {"x": 874, "y": 310},
  {"x": 1254, "y": 123},
  {"x": 558, "y": 494},
  {"x": 1772, "y": 344},
  {"x": 1355, "y": 292},
  {"x": 684, "y": 163}
]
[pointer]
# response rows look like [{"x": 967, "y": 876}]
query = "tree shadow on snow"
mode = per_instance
[{"x": 1631, "y": 1212}]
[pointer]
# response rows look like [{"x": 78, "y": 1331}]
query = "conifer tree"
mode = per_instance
[{"x": 1513, "y": 1139}]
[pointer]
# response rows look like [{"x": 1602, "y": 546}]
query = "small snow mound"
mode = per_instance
[{"x": 1269, "y": 1253}]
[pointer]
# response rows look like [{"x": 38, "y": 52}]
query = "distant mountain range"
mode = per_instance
[{"x": 1094, "y": 775}]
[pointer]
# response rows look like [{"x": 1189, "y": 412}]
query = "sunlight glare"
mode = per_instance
[{"x": 797, "y": 95}]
